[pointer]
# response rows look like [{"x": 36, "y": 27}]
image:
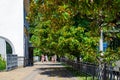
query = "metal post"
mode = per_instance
[
  {"x": 104, "y": 72},
  {"x": 101, "y": 40}
]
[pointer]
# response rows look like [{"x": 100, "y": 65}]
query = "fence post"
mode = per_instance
[
  {"x": 111, "y": 69},
  {"x": 104, "y": 72},
  {"x": 94, "y": 72}
]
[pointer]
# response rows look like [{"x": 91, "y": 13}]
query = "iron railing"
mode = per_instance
[
  {"x": 97, "y": 72},
  {"x": 12, "y": 62}
]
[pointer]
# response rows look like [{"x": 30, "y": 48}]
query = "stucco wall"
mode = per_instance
[
  {"x": 11, "y": 23},
  {"x": 3, "y": 48}
]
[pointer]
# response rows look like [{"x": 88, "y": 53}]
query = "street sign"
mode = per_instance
[{"x": 105, "y": 45}]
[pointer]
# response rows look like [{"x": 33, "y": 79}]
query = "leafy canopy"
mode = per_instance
[{"x": 71, "y": 26}]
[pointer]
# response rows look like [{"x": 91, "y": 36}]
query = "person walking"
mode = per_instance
[
  {"x": 55, "y": 57},
  {"x": 46, "y": 58},
  {"x": 42, "y": 58},
  {"x": 52, "y": 59}
]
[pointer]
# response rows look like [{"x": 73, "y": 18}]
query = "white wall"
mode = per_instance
[
  {"x": 11, "y": 23},
  {"x": 3, "y": 48}
]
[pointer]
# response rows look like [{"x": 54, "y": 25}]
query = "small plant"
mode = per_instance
[{"x": 2, "y": 63}]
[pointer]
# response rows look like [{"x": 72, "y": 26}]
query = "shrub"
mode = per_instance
[{"x": 2, "y": 63}]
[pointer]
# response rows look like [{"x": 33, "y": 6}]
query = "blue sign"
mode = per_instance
[{"x": 105, "y": 45}]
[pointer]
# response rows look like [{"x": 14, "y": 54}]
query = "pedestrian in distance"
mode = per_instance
[
  {"x": 46, "y": 58},
  {"x": 42, "y": 58}
]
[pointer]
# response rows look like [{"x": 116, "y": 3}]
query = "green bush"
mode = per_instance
[
  {"x": 2, "y": 63},
  {"x": 70, "y": 57}
]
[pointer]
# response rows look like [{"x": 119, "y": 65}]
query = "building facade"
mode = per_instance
[{"x": 14, "y": 29}]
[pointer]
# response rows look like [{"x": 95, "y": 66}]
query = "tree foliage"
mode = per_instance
[{"x": 71, "y": 26}]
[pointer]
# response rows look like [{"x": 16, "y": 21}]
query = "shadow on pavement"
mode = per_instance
[{"x": 53, "y": 71}]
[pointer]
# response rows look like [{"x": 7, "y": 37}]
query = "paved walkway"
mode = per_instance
[{"x": 40, "y": 71}]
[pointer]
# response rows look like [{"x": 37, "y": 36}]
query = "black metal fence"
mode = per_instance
[
  {"x": 96, "y": 72},
  {"x": 12, "y": 62}
]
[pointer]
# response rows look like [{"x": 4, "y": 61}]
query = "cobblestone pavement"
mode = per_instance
[{"x": 40, "y": 71}]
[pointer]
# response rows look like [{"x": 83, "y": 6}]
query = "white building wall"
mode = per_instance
[
  {"x": 3, "y": 48},
  {"x": 11, "y": 23}
]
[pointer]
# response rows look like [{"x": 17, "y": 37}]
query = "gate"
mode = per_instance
[{"x": 11, "y": 62}]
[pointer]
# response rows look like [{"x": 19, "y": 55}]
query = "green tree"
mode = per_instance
[
  {"x": 77, "y": 42},
  {"x": 71, "y": 26}
]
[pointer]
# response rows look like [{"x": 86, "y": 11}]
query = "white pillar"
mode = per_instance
[{"x": 101, "y": 41}]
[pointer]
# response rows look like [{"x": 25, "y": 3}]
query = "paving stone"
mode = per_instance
[{"x": 40, "y": 71}]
